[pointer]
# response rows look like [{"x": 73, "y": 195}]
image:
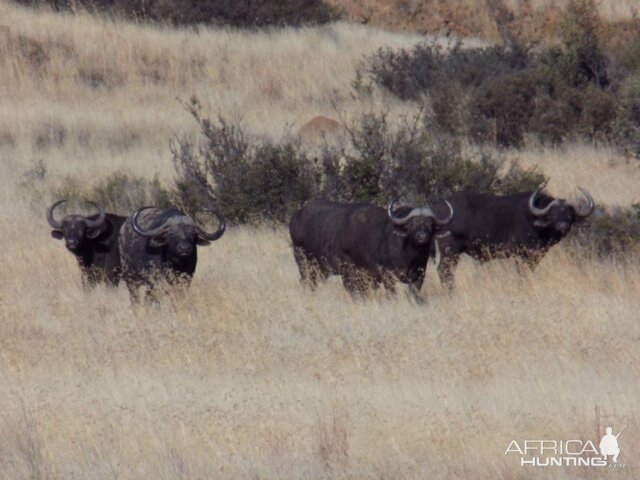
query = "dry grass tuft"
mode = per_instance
[{"x": 247, "y": 375}]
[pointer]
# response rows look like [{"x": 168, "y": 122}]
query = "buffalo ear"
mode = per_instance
[
  {"x": 158, "y": 241},
  {"x": 400, "y": 231},
  {"x": 542, "y": 222},
  {"x": 57, "y": 234},
  {"x": 582, "y": 223},
  {"x": 203, "y": 242}
]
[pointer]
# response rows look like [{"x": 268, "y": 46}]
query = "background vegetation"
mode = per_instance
[
  {"x": 257, "y": 180},
  {"x": 236, "y": 13},
  {"x": 519, "y": 92},
  {"x": 248, "y": 375}
]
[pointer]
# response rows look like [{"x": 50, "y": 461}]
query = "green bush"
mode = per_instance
[
  {"x": 553, "y": 119},
  {"x": 246, "y": 178},
  {"x": 581, "y": 30},
  {"x": 501, "y": 109},
  {"x": 382, "y": 161},
  {"x": 424, "y": 68},
  {"x": 502, "y": 94},
  {"x": 251, "y": 179},
  {"x": 120, "y": 193}
]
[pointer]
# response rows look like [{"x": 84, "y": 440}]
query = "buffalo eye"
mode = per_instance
[
  {"x": 542, "y": 222},
  {"x": 158, "y": 241},
  {"x": 400, "y": 231}
]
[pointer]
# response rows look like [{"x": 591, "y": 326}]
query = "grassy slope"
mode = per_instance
[
  {"x": 534, "y": 19},
  {"x": 247, "y": 375}
]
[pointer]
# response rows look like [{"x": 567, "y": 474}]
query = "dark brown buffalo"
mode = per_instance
[
  {"x": 365, "y": 244},
  {"x": 93, "y": 240},
  {"x": 162, "y": 244},
  {"x": 525, "y": 225}
]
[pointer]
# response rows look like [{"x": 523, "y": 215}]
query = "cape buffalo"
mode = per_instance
[
  {"x": 524, "y": 225},
  {"x": 162, "y": 244},
  {"x": 93, "y": 240},
  {"x": 365, "y": 244}
]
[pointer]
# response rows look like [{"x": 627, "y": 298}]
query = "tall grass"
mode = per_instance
[{"x": 246, "y": 374}]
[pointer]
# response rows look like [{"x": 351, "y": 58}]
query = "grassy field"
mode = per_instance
[
  {"x": 534, "y": 19},
  {"x": 247, "y": 375}
]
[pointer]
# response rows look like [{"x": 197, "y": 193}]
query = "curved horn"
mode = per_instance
[
  {"x": 591, "y": 205},
  {"x": 53, "y": 222},
  {"x": 540, "y": 212},
  {"x": 394, "y": 219},
  {"x": 221, "y": 228},
  {"x": 139, "y": 230},
  {"x": 98, "y": 221},
  {"x": 417, "y": 212},
  {"x": 447, "y": 220}
]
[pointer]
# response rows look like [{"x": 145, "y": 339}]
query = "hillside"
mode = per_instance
[
  {"x": 247, "y": 374},
  {"x": 534, "y": 19}
]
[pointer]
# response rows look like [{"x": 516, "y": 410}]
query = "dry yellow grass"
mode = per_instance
[
  {"x": 535, "y": 19},
  {"x": 247, "y": 375},
  {"x": 57, "y": 72},
  {"x": 608, "y": 175}
]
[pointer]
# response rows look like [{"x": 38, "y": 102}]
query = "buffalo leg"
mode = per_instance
[
  {"x": 149, "y": 296},
  {"x": 528, "y": 262},
  {"x": 450, "y": 251},
  {"x": 351, "y": 284},
  {"x": 134, "y": 293},
  {"x": 389, "y": 282},
  {"x": 134, "y": 285},
  {"x": 448, "y": 262},
  {"x": 416, "y": 285},
  {"x": 112, "y": 271},
  {"x": 356, "y": 281},
  {"x": 90, "y": 278},
  {"x": 309, "y": 269}
]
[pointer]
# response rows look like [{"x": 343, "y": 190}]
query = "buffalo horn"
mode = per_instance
[{"x": 53, "y": 222}]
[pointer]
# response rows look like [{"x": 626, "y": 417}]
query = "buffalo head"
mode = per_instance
[
  {"x": 76, "y": 228},
  {"x": 178, "y": 233},
  {"x": 561, "y": 214},
  {"x": 419, "y": 224}
]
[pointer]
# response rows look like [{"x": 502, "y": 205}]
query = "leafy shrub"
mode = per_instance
[
  {"x": 501, "y": 94},
  {"x": 118, "y": 193},
  {"x": 122, "y": 193},
  {"x": 236, "y": 13},
  {"x": 384, "y": 161},
  {"x": 581, "y": 30},
  {"x": 251, "y": 179},
  {"x": 411, "y": 74},
  {"x": 247, "y": 178},
  {"x": 598, "y": 114},
  {"x": 501, "y": 109}
]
